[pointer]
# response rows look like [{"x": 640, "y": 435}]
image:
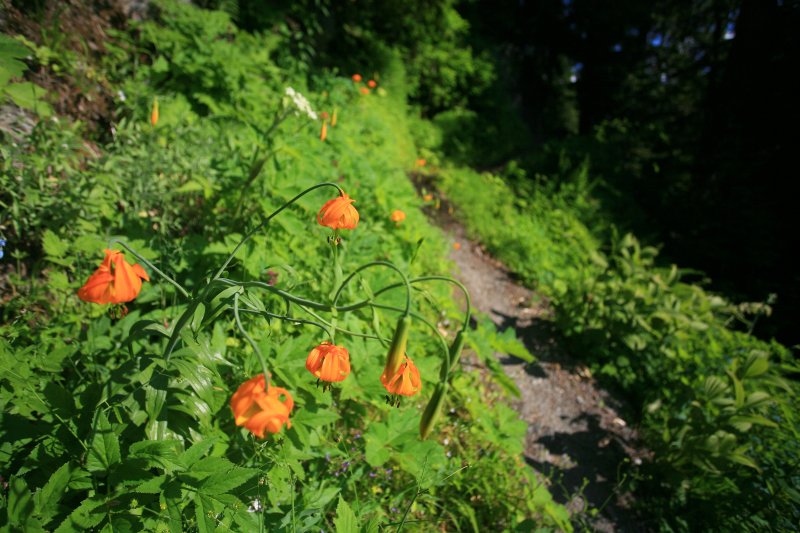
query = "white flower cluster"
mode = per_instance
[{"x": 301, "y": 103}]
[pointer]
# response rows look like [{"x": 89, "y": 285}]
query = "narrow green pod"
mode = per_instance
[
  {"x": 398, "y": 347},
  {"x": 456, "y": 348},
  {"x": 432, "y": 411}
]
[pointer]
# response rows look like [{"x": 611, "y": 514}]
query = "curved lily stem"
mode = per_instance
[
  {"x": 288, "y": 319},
  {"x": 378, "y": 263},
  {"x": 150, "y": 265},
  {"x": 265, "y": 221},
  {"x": 250, "y": 340},
  {"x": 343, "y": 330},
  {"x": 467, "y": 313}
]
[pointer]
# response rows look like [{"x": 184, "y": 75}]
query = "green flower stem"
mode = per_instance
[
  {"x": 372, "y": 264},
  {"x": 343, "y": 330},
  {"x": 266, "y": 221},
  {"x": 467, "y": 313},
  {"x": 289, "y": 319},
  {"x": 250, "y": 340},
  {"x": 152, "y": 267},
  {"x": 283, "y": 294}
]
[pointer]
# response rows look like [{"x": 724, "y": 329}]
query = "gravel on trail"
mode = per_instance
[{"x": 577, "y": 436}]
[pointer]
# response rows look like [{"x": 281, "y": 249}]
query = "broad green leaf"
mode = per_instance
[
  {"x": 204, "y": 513},
  {"x": 21, "y": 506},
  {"x": 196, "y": 451},
  {"x": 104, "y": 450},
  {"x": 157, "y": 453},
  {"x": 345, "y": 521},
  {"x": 221, "y": 482},
  {"x": 11, "y": 51},
  {"x": 87, "y": 515},
  {"x": 50, "y": 494},
  {"x": 29, "y": 96},
  {"x": 55, "y": 248},
  {"x": 755, "y": 365},
  {"x": 151, "y": 486}
]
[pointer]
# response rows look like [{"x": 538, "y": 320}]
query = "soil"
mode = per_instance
[{"x": 578, "y": 437}]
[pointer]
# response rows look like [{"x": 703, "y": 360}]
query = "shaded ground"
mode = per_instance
[{"x": 577, "y": 433}]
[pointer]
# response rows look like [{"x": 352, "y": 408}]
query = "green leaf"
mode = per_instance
[
  {"x": 755, "y": 365},
  {"x": 222, "y": 482},
  {"x": 55, "y": 248},
  {"x": 21, "y": 505},
  {"x": 345, "y": 521},
  {"x": 196, "y": 451},
  {"x": 47, "y": 497},
  {"x": 88, "y": 514},
  {"x": 157, "y": 453},
  {"x": 197, "y": 318},
  {"x": 151, "y": 486},
  {"x": 11, "y": 51},
  {"x": 104, "y": 451},
  {"x": 28, "y": 95},
  {"x": 204, "y": 513}
]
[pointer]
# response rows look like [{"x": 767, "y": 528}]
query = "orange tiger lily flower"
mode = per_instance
[
  {"x": 405, "y": 381},
  {"x": 115, "y": 281},
  {"x": 356, "y": 78},
  {"x": 329, "y": 362},
  {"x": 338, "y": 213},
  {"x": 261, "y": 411},
  {"x": 397, "y": 216}
]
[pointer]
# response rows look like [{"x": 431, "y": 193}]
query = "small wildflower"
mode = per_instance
[
  {"x": 420, "y": 162},
  {"x": 255, "y": 506},
  {"x": 397, "y": 216},
  {"x": 364, "y": 90},
  {"x": 301, "y": 103},
  {"x": 372, "y": 84},
  {"x": 333, "y": 118},
  {"x": 428, "y": 197},
  {"x": 2, "y": 245},
  {"x": 324, "y": 133},
  {"x": 356, "y": 78},
  {"x": 456, "y": 246},
  {"x": 121, "y": 95}
]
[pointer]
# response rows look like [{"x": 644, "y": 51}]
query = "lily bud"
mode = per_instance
[
  {"x": 154, "y": 113},
  {"x": 398, "y": 347},
  {"x": 432, "y": 411},
  {"x": 456, "y": 348}
]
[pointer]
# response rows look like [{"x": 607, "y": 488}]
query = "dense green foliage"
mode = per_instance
[
  {"x": 100, "y": 432},
  {"x": 595, "y": 124}
]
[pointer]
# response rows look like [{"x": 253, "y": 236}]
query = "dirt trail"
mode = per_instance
[{"x": 576, "y": 434}]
